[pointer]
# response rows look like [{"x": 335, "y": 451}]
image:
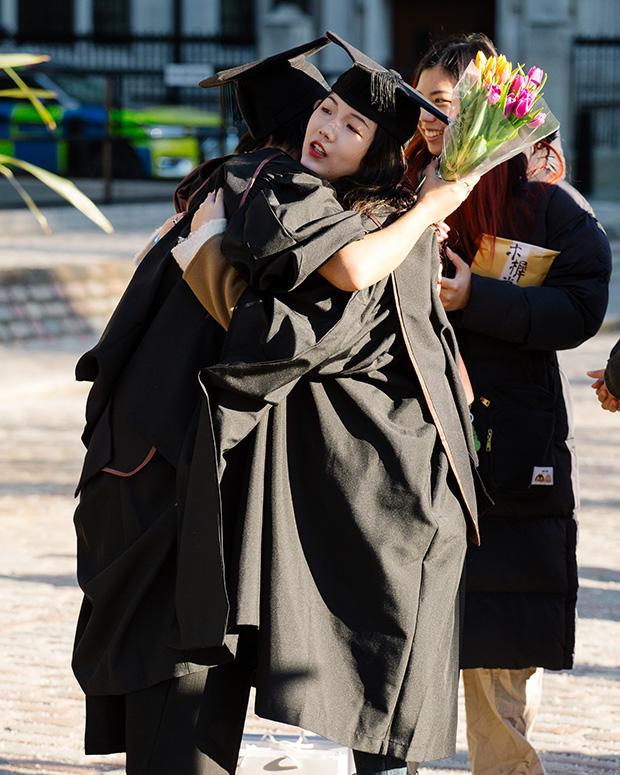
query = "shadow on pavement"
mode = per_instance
[
  {"x": 569, "y": 762},
  {"x": 37, "y": 488},
  {"x": 42, "y": 767},
  {"x": 46, "y": 767},
  {"x": 575, "y": 763},
  {"x": 597, "y": 671},
  {"x": 66, "y": 580},
  {"x": 595, "y": 603},
  {"x": 599, "y": 574},
  {"x": 611, "y": 504}
]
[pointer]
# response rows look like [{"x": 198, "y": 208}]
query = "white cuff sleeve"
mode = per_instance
[{"x": 187, "y": 248}]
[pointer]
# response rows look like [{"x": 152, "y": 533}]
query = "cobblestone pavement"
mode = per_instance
[{"x": 40, "y": 704}]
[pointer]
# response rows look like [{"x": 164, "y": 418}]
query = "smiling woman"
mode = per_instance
[{"x": 437, "y": 86}]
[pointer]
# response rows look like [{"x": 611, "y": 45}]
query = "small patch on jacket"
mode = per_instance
[{"x": 542, "y": 475}]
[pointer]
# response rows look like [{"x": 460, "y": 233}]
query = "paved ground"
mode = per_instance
[
  {"x": 40, "y": 704},
  {"x": 74, "y": 237},
  {"x": 40, "y": 454},
  {"x": 121, "y": 192}
]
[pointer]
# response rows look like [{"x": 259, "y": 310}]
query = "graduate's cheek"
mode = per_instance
[
  {"x": 360, "y": 150},
  {"x": 346, "y": 156}
]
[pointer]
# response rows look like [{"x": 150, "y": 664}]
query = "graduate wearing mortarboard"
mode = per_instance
[{"x": 344, "y": 556}]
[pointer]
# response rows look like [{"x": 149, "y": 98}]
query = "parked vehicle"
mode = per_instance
[{"x": 159, "y": 142}]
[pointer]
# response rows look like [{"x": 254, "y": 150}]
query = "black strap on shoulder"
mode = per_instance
[{"x": 257, "y": 172}]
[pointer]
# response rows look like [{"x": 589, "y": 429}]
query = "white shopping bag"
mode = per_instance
[{"x": 303, "y": 755}]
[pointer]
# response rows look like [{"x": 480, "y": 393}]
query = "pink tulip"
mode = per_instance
[
  {"x": 495, "y": 93},
  {"x": 535, "y": 75},
  {"x": 524, "y": 103},
  {"x": 510, "y": 101},
  {"x": 538, "y": 120},
  {"x": 518, "y": 82},
  {"x": 521, "y": 108}
]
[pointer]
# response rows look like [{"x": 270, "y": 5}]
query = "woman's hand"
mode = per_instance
[
  {"x": 455, "y": 291},
  {"x": 439, "y": 197},
  {"x": 212, "y": 208}
]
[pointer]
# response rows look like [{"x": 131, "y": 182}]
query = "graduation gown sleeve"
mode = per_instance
[
  {"x": 216, "y": 284},
  {"x": 287, "y": 230},
  {"x": 213, "y": 281}
]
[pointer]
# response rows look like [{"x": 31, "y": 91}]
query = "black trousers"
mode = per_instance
[{"x": 190, "y": 725}]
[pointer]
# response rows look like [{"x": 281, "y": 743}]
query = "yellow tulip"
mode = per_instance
[
  {"x": 481, "y": 61},
  {"x": 489, "y": 70},
  {"x": 503, "y": 69}
]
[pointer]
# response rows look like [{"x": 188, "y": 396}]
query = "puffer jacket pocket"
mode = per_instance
[{"x": 515, "y": 426}]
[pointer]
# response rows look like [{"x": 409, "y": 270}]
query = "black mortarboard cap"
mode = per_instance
[
  {"x": 272, "y": 91},
  {"x": 381, "y": 94}
]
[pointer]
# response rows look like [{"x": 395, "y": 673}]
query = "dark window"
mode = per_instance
[
  {"x": 237, "y": 18},
  {"x": 303, "y": 5},
  {"x": 49, "y": 20},
  {"x": 111, "y": 17}
]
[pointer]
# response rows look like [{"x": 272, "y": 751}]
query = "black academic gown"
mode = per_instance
[
  {"x": 139, "y": 412},
  {"x": 339, "y": 530},
  {"x": 140, "y": 420}
]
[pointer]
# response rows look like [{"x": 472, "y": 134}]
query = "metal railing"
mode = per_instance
[{"x": 141, "y": 59}]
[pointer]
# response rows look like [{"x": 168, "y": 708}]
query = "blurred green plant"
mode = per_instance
[{"x": 65, "y": 188}]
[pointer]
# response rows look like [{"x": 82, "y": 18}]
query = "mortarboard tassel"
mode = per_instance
[
  {"x": 229, "y": 109},
  {"x": 383, "y": 86}
]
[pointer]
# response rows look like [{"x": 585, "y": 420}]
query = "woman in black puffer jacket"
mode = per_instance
[{"x": 530, "y": 271}]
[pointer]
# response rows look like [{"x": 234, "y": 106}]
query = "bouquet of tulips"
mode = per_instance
[{"x": 497, "y": 111}]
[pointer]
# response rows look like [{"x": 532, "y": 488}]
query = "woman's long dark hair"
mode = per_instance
[{"x": 499, "y": 202}]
